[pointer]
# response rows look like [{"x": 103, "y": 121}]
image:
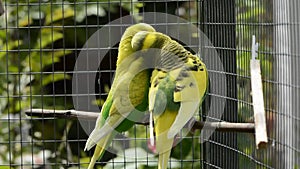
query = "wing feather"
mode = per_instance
[
  {"x": 109, "y": 127},
  {"x": 190, "y": 89}
]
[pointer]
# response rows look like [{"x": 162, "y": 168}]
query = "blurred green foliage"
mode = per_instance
[
  {"x": 36, "y": 51},
  {"x": 253, "y": 18},
  {"x": 37, "y": 37}
]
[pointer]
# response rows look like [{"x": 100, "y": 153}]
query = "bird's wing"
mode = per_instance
[{"x": 191, "y": 85}]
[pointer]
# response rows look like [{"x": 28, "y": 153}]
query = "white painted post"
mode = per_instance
[{"x": 261, "y": 138}]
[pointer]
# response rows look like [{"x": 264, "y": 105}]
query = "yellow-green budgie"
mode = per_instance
[
  {"x": 178, "y": 86},
  {"x": 127, "y": 98}
]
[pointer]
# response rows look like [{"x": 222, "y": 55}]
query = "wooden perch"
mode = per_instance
[
  {"x": 261, "y": 138},
  {"x": 74, "y": 114}
]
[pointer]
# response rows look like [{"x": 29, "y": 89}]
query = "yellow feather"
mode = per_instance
[
  {"x": 100, "y": 149},
  {"x": 179, "y": 76},
  {"x": 149, "y": 38},
  {"x": 163, "y": 143},
  {"x": 118, "y": 104}
]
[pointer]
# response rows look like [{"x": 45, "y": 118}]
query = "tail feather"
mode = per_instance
[
  {"x": 163, "y": 143},
  {"x": 164, "y": 147},
  {"x": 163, "y": 159},
  {"x": 100, "y": 149}
]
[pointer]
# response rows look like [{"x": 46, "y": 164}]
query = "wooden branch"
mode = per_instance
[
  {"x": 64, "y": 114},
  {"x": 74, "y": 114}
]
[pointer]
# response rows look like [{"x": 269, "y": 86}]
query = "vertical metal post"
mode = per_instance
[
  {"x": 286, "y": 46},
  {"x": 219, "y": 26}
]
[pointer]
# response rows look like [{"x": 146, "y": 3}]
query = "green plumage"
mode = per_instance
[
  {"x": 164, "y": 97},
  {"x": 127, "y": 98},
  {"x": 178, "y": 86}
]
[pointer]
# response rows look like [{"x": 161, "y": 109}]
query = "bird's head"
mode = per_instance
[{"x": 132, "y": 30}]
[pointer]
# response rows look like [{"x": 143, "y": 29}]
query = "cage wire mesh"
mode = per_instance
[{"x": 41, "y": 40}]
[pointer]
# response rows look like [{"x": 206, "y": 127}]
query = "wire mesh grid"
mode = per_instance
[{"x": 41, "y": 40}]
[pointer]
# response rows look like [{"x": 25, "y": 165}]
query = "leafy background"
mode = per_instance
[{"x": 39, "y": 43}]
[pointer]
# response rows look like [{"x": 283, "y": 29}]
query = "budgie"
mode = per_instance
[
  {"x": 127, "y": 98},
  {"x": 179, "y": 84}
]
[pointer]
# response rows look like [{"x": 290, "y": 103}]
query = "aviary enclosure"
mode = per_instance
[{"x": 40, "y": 42}]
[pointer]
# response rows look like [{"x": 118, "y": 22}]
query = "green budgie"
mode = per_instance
[
  {"x": 179, "y": 84},
  {"x": 127, "y": 98}
]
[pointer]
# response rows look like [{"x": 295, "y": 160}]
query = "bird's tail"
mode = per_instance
[
  {"x": 163, "y": 143},
  {"x": 163, "y": 159},
  {"x": 100, "y": 149}
]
